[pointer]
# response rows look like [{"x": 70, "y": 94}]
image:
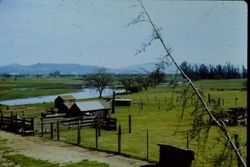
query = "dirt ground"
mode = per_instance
[{"x": 60, "y": 152}]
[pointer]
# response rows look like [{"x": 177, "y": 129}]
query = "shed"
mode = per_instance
[
  {"x": 174, "y": 156},
  {"x": 64, "y": 102},
  {"x": 94, "y": 108},
  {"x": 122, "y": 102}
]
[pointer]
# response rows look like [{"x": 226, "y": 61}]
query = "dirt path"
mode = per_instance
[{"x": 60, "y": 152}]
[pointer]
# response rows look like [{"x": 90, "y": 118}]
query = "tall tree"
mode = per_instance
[
  {"x": 244, "y": 72},
  {"x": 99, "y": 81},
  {"x": 203, "y": 71},
  {"x": 157, "y": 76}
]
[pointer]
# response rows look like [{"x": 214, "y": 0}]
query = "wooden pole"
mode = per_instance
[
  {"x": 58, "y": 130},
  {"x": 129, "y": 123},
  {"x": 147, "y": 144},
  {"x": 96, "y": 138},
  {"x": 23, "y": 126},
  {"x": 219, "y": 101},
  {"x": 51, "y": 130},
  {"x": 32, "y": 125},
  {"x": 141, "y": 105},
  {"x": 11, "y": 121},
  {"x": 41, "y": 125},
  {"x": 119, "y": 139},
  {"x": 99, "y": 124},
  {"x": 79, "y": 133},
  {"x": 187, "y": 141},
  {"x": 113, "y": 103},
  {"x": 235, "y": 100},
  {"x": 1, "y": 125},
  {"x": 16, "y": 126}
]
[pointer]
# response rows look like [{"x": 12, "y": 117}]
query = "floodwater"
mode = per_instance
[{"x": 83, "y": 94}]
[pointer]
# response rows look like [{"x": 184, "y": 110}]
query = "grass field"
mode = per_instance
[
  {"x": 163, "y": 124},
  {"x": 23, "y": 87},
  {"x": 162, "y": 121}
]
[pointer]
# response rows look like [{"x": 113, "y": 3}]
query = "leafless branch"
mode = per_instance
[{"x": 221, "y": 126}]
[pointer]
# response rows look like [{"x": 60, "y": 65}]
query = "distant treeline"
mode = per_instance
[{"x": 227, "y": 71}]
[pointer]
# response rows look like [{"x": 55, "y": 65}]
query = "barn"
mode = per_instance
[
  {"x": 64, "y": 102},
  {"x": 90, "y": 108}
]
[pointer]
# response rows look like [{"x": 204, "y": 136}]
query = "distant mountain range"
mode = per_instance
[{"x": 74, "y": 69}]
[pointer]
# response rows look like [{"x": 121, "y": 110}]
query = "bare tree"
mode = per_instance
[
  {"x": 100, "y": 81},
  {"x": 144, "y": 17}
]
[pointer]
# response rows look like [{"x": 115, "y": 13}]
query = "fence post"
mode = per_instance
[
  {"x": 219, "y": 101},
  {"x": 15, "y": 125},
  {"x": 51, "y": 130},
  {"x": 119, "y": 139},
  {"x": 78, "y": 133},
  {"x": 235, "y": 100},
  {"x": 99, "y": 124},
  {"x": 32, "y": 125},
  {"x": 41, "y": 124},
  {"x": 187, "y": 145},
  {"x": 159, "y": 105},
  {"x": 1, "y": 125},
  {"x": 23, "y": 126},
  {"x": 147, "y": 144},
  {"x": 129, "y": 123},
  {"x": 209, "y": 98},
  {"x": 11, "y": 121},
  {"x": 96, "y": 137},
  {"x": 113, "y": 103},
  {"x": 141, "y": 105},
  {"x": 58, "y": 130}
]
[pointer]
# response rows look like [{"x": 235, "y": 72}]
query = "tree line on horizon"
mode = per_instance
[
  {"x": 227, "y": 71},
  {"x": 138, "y": 82}
]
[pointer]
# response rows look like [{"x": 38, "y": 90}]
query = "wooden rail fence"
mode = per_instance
[{"x": 17, "y": 124}]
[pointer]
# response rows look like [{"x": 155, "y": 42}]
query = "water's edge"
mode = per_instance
[{"x": 83, "y": 94}]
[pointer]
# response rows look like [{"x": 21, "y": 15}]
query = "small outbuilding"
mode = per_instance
[
  {"x": 64, "y": 102},
  {"x": 174, "y": 156},
  {"x": 90, "y": 108},
  {"x": 122, "y": 102}
]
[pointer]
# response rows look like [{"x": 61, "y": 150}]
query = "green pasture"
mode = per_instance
[
  {"x": 22, "y": 87},
  {"x": 158, "y": 111},
  {"x": 37, "y": 82},
  {"x": 162, "y": 121}
]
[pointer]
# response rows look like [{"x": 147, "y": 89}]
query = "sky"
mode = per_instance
[{"x": 95, "y": 32}]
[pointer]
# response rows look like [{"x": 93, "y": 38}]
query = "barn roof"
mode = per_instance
[
  {"x": 66, "y": 97},
  {"x": 68, "y": 105},
  {"x": 92, "y": 105}
]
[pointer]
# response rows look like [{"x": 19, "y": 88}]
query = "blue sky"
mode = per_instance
[{"x": 94, "y": 32}]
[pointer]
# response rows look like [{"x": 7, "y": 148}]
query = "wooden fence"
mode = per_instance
[
  {"x": 49, "y": 122},
  {"x": 20, "y": 125}
]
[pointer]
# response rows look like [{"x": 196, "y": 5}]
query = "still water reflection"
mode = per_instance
[{"x": 83, "y": 94}]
